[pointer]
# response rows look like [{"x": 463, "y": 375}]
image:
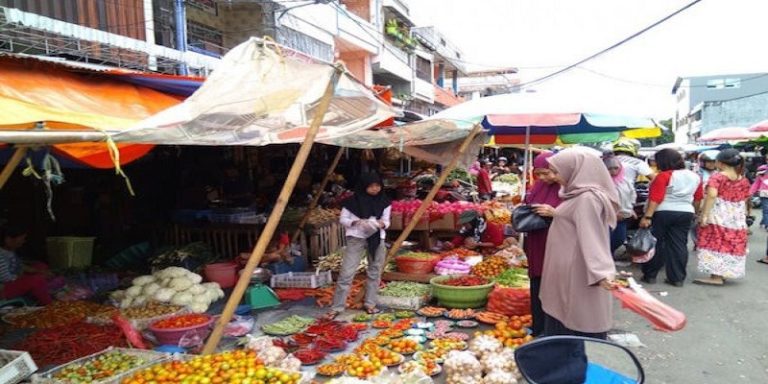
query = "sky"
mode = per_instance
[{"x": 540, "y": 36}]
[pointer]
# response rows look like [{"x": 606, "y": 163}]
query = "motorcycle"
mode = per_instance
[{"x": 577, "y": 360}]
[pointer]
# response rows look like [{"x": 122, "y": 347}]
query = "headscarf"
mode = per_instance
[
  {"x": 541, "y": 192},
  {"x": 477, "y": 221},
  {"x": 584, "y": 172},
  {"x": 365, "y": 206},
  {"x": 612, "y": 161}
]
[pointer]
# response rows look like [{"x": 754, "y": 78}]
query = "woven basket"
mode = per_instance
[{"x": 459, "y": 297}]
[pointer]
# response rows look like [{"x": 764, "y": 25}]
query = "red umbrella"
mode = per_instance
[
  {"x": 760, "y": 127},
  {"x": 728, "y": 134}
]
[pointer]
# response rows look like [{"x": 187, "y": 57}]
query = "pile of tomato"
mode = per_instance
[
  {"x": 238, "y": 366},
  {"x": 182, "y": 321}
]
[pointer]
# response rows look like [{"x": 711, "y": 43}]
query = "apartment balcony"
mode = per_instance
[
  {"x": 358, "y": 33},
  {"x": 399, "y": 7},
  {"x": 393, "y": 61},
  {"x": 424, "y": 90}
]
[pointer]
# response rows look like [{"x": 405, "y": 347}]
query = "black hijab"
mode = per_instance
[{"x": 364, "y": 206}]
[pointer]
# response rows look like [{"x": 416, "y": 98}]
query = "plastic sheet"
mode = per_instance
[{"x": 662, "y": 316}]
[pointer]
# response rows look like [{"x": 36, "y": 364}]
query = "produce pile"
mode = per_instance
[
  {"x": 490, "y": 267},
  {"x": 405, "y": 289},
  {"x": 510, "y": 333},
  {"x": 288, "y": 326},
  {"x": 465, "y": 281},
  {"x": 181, "y": 321},
  {"x": 58, "y": 313},
  {"x": 62, "y": 344},
  {"x": 435, "y": 209},
  {"x": 100, "y": 367},
  {"x": 318, "y": 216},
  {"x": 514, "y": 277},
  {"x": 498, "y": 214},
  {"x": 238, "y": 366},
  {"x": 173, "y": 285},
  {"x": 324, "y": 296}
]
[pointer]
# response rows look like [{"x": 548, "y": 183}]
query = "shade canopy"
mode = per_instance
[
  {"x": 728, "y": 134},
  {"x": 760, "y": 127}
]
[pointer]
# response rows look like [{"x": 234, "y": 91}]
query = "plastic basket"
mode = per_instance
[
  {"x": 418, "y": 266},
  {"x": 411, "y": 303},
  {"x": 459, "y": 297},
  {"x": 301, "y": 280},
  {"x": 18, "y": 367},
  {"x": 69, "y": 252},
  {"x": 150, "y": 357}
]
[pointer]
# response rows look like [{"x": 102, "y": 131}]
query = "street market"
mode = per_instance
[{"x": 287, "y": 217}]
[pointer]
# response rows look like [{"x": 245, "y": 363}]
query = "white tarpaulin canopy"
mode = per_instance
[{"x": 260, "y": 95}]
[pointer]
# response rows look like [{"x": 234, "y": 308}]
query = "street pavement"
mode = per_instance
[{"x": 726, "y": 337}]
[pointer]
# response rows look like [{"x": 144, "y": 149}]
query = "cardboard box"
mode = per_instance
[
  {"x": 396, "y": 221},
  {"x": 445, "y": 223},
  {"x": 422, "y": 225}
]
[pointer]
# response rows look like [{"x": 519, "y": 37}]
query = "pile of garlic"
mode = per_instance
[
  {"x": 174, "y": 285},
  {"x": 462, "y": 367}
]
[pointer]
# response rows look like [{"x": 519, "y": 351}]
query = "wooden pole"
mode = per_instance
[
  {"x": 316, "y": 198},
  {"x": 274, "y": 217},
  {"x": 13, "y": 162},
  {"x": 431, "y": 195}
]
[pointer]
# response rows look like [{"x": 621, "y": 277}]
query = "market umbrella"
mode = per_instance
[
  {"x": 728, "y": 134},
  {"x": 760, "y": 127},
  {"x": 550, "y": 118}
]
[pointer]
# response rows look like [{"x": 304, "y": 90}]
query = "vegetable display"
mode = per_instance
[
  {"x": 233, "y": 366},
  {"x": 181, "y": 321},
  {"x": 331, "y": 369},
  {"x": 309, "y": 356},
  {"x": 404, "y": 346},
  {"x": 174, "y": 285},
  {"x": 490, "y": 317},
  {"x": 288, "y": 326},
  {"x": 490, "y": 267},
  {"x": 101, "y": 367},
  {"x": 59, "y": 345},
  {"x": 514, "y": 277},
  {"x": 460, "y": 314},
  {"x": 58, "y": 313},
  {"x": 465, "y": 281},
  {"x": 405, "y": 289},
  {"x": 431, "y": 311}
]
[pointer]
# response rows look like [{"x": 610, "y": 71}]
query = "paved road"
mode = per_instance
[{"x": 726, "y": 338}]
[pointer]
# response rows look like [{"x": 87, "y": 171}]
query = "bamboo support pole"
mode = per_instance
[
  {"x": 432, "y": 193},
  {"x": 274, "y": 217},
  {"x": 318, "y": 195},
  {"x": 13, "y": 162}
]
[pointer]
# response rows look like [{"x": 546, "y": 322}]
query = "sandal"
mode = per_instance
[
  {"x": 372, "y": 310},
  {"x": 709, "y": 281},
  {"x": 762, "y": 261},
  {"x": 330, "y": 315}
]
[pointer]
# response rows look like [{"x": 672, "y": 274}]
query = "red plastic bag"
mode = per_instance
[
  {"x": 662, "y": 316},
  {"x": 131, "y": 334},
  {"x": 510, "y": 301}
]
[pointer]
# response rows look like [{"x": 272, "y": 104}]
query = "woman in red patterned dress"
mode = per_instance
[{"x": 723, "y": 234}]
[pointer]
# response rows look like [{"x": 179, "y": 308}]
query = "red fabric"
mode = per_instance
[
  {"x": 720, "y": 238},
  {"x": 285, "y": 239},
  {"x": 484, "y": 182},
  {"x": 658, "y": 188},
  {"x": 291, "y": 294},
  {"x": 729, "y": 190},
  {"x": 699, "y": 194},
  {"x": 494, "y": 233},
  {"x": 30, "y": 284}
]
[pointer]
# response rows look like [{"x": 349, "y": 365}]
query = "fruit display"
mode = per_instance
[
  {"x": 509, "y": 334},
  {"x": 101, "y": 367},
  {"x": 233, "y": 366},
  {"x": 448, "y": 344},
  {"x": 460, "y": 314},
  {"x": 465, "y": 281},
  {"x": 404, "y": 346},
  {"x": 431, "y": 311},
  {"x": 287, "y": 326},
  {"x": 381, "y": 323},
  {"x": 391, "y": 333},
  {"x": 360, "y": 367},
  {"x": 404, "y": 324},
  {"x": 490, "y": 267},
  {"x": 331, "y": 369},
  {"x": 490, "y": 317},
  {"x": 362, "y": 318},
  {"x": 404, "y": 314},
  {"x": 385, "y": 316},
  {"x": 461, "y": 253},
  {"x": 498, "y": 214},
  {"x": 181, "y": 321},
  {"x": 431, "y": 354},
  {"x": 384, "y": 356}
]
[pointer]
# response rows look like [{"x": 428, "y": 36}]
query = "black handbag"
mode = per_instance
[
  {"x": 641, "y": 243},
  {"x": 524, "y": 219}
]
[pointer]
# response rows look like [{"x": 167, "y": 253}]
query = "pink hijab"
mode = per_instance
[
  {"x": 612, "y": 161},
  {"x": 584, "y": 172}
]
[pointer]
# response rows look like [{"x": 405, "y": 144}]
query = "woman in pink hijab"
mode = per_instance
[
  {"x": 578, "y": 266},
  {"x": 544, "y": 196},
  {"x": 627, "y": 198}
]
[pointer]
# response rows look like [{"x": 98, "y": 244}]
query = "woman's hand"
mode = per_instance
[
  {"x": 544, "y": 210},
  {"x": 608, "y": 284},
  {"x": 645, "y": 223},
  {"x": 382, "y": 225},
  {"x": 703, "y": 221}
]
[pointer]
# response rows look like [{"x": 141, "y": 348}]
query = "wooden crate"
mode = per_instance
[
  {"x": 445, "y": 223},
  {"x": 396, "y": 221},
  {"x": 422, "y": 225},
  {"x": 324, "y": 239}
]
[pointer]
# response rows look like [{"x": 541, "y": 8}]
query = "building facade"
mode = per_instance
[{"x": 706, "y": 103}]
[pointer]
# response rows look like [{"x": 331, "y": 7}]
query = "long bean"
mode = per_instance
[{"x": 405, "y": 289}]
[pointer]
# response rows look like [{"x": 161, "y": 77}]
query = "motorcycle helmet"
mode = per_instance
[
  {"x": 625, "y": 146},
  {"x": 708, "y": 156}
]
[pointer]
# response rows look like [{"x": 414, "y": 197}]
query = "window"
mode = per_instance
[
  {"x": 733, "y": 82},
  {"x": 423, "y": 69},
  {"x": 206, "y": 5},
  {"x": 204, "y": 37}
]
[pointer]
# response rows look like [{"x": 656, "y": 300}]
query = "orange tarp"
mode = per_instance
[{"x": 32, "y": 91}]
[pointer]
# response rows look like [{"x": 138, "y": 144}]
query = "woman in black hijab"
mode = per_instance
[{"x": 365, "y": 217}]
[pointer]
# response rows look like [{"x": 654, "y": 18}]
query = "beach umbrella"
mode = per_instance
[
  {"x": 728, "y": 134},
  {"x": 760, "y": 127}
]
